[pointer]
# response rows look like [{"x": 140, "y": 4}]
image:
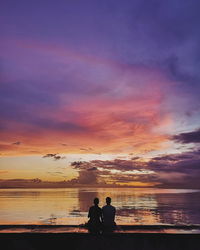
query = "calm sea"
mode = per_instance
[{"x": 70, "y": 205}]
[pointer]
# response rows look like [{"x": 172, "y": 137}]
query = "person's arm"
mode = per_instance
[
  {"x": 101, "y": 216},
  {"x": 89, "y": 213}
]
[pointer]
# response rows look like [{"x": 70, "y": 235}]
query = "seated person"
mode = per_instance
[
  {"x": 95, "y": 215},
  {"x": 108, "y": 212}
]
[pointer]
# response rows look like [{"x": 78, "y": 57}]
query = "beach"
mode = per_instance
[{"x": 76, "y": 237}]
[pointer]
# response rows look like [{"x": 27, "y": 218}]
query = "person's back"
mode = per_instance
[
  {"x": 95, "y": 214},
  {"x": 95, "y": 217},
  {"x": 108, "y": 212}
]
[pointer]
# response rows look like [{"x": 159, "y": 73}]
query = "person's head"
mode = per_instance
[
  {"x": 108, "y": 200},
  {"x": 96, "y": 201}
]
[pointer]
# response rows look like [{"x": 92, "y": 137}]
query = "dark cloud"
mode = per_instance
[
  {"x": 57, "y": 157},
  {"x": 135, "y": 158},
  {"x": 16, "y": 143},
  {"x": 78, "y": 164},
  {"x": 177, "y": 170},
  {"x": 181, "y": 161},
  {"x": 92, "y": 169},
  {"x": 54, "y": 156},
  {"x": 109, "y": 165},
  {"x": 98, "y": 171},
  {"x": 165, "y": 158},
  {"x": 49, "y": 155},
  {"x": 173, "y": 170},
  {"x": 189, "y": 137}
]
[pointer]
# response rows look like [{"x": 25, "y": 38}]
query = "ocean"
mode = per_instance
[{"x": 69, "y": 206}]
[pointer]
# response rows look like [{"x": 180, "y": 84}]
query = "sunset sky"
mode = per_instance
[{"x": 100, "y": 91}]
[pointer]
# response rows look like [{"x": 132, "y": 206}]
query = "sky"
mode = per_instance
[{"x": 100, "y": 92}]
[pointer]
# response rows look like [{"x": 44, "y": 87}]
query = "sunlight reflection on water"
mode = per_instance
[{"x": 70, "y": 205}]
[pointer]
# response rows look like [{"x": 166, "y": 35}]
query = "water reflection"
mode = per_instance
[
  {"x": 85, "y": 198},
  {"x": 70, "y": 206}
]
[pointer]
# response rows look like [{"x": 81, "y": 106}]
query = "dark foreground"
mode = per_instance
[{"x": 137, "y": 239}]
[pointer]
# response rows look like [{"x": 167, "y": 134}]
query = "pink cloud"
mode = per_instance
[{"x": 95, "y": 102}]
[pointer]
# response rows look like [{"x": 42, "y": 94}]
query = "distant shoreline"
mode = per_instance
[{"x": 38, "y": 183}]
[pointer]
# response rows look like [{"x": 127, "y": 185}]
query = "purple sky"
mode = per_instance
[{"x": 99, "y": 77}]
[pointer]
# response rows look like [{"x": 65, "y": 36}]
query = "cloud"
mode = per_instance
[
  {"x": 16, "y": 143},
  {"x": 87, "y": 177},
  {"x": 99, "y": 171},
  {"x": 116, "y": 164},
  {"x": 112, "y": 119},
  {"x": 119, "y": 164},
  {"x": 189, "y": 137},
  {"x": 49, "y": 155},
  {"x": 92, "y": 169},
  {"x": 54, "y": 156},
  {"x": 86, "y": 149},
  {"x": 88, "y": 173},
  {"x": 111, "y": 96},
  {"x": 172, "y": 170},
  {"x": 177, "y": 170}
]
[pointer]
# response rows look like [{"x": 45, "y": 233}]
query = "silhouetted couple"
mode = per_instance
[{"x": 101, "y": 219}]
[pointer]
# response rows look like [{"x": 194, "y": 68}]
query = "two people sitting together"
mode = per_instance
[{"x": 101, "y": 219}]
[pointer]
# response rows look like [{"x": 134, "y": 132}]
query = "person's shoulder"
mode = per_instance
[
  {"x": 113, "y": 207},
  {"x": 104, "y": 207}
]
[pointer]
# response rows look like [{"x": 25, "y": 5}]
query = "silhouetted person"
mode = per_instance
[
  {"x": 95, "y": 215},
  {"x": 108, "y": 212}
]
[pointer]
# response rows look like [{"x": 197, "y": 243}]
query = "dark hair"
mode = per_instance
[
  {"x": 108, "y": 200},
  {"x": 96, "y": 201}
]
